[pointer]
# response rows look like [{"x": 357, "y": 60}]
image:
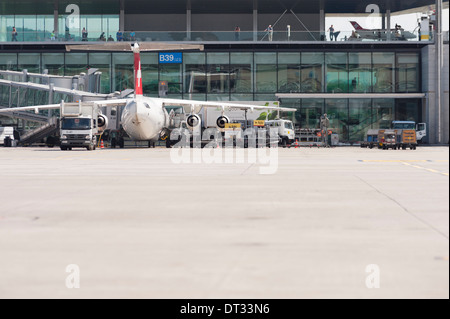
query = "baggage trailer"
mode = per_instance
[
  {"x": 387, "y": 139},
  {"x": 371, "y": 140},
  {"x": 406, "y": 139}
]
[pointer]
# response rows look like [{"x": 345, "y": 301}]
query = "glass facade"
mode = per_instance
[
  {"x": 35, "y": 22},
  {"x": 258, "y": 76}
]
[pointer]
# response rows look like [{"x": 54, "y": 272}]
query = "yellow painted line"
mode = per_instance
[
  {"x": 395, "y": 161},
  {"x": 427, "y": 169}
]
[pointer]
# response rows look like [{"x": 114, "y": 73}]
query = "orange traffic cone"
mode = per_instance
[{"x": 102, "y": 145}]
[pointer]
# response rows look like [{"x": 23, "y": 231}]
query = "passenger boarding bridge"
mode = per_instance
[{"x": 19, "y": 89}]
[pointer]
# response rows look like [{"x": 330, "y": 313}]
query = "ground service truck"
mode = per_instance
[
  {"x": 80, "y": 124},
  {"x": 401, "y": 135}
]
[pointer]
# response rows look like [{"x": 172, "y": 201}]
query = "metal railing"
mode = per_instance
[{"x": 214, "y": 36}]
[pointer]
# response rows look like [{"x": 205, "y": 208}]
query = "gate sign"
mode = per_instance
[{"x": 171, "y": 58}]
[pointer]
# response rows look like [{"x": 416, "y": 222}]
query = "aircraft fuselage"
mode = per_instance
[{"x": 144, "y": 119}]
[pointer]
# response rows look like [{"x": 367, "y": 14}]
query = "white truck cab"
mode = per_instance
[
  {"x": 5, "y": 133},
  {"x": 285, "y": 129},
  {"x": 421, "y": 132},
  {"x": 80, "y": 124}
]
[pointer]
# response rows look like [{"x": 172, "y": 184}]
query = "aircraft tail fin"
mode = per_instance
[
  {"x": 356, "y": 25},
  {"x": 138, "y": 90}
]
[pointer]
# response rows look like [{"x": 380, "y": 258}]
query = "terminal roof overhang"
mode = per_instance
[
  {"x": 214, "y": 6},
  {"x": 271, "y": 6}
]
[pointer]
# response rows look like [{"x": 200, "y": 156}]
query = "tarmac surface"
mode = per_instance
[{"x": 139, "y": 225}]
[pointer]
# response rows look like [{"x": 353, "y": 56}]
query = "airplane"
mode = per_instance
[
  {"x": 146, "y": 118},
  {"x": 379, "y": 34}
]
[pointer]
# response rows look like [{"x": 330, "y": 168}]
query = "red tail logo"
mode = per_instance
[
  {"x": 138, "y": 90},
  {"x": 356, "y": 25}
]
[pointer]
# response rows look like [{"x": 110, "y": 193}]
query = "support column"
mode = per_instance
[
  {"x": 439, "y": 63},
  {"x": 122, "y": 16},
  {"x": 322, "y": 21},
  {"x": 388, "y": 25},
  {"x": 189, "y": 20},
  {"x": 255, "y": 20},
  {"x": 55, "y": 17}
]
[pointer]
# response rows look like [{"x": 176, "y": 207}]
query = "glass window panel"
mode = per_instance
[
  {"x": 360, "y": 72},
  {"x": 8, "y": 61},
  {"x": 241, "y": 72},
  {"x": 53, "y": 62},
  {"x": 337, "y": 72},
  {"x": 408, "y": 72},
  {"x": 195, "y": 73},
  {"x": 76, "y": 63},
  {"x": 26, "y": 26},
  {"x": 293, "y": 104},
  {"x": 218, "y": 97},
  {"x": 150, "y": 73},
  {"x": 310, "y": 113},
  {"x": 383, "y": 72},
  {"x": 289, "y": 72},
  {"x": 382, "y": 113},
  {"x": 30, "y": 61},
  {"x": 265, "y": 97},
  {"x": 218, "y": 73},
  {"x": 266, "y": 72},
  {"x": 172, "y": 73},
  {"x": 360, "y": 118},
  {"x": 312, "y": 72},
  {"x": 112, "y": 25},
  {"x": 6, "y": 25},
  {"x": 337, "y": 111},
  {"x": 123, "y": 70},
  {"x": 102, "y": 62},
  {"x": 94, "y": 24},
  {"x": 408, "y": 110},
  {"x": 44, "y": 27},
  {"x": 196, "y": 97},
  {"x": 241, "y": 97}
]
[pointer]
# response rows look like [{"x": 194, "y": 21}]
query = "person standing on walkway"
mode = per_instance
[
  {"x": 331, "y": 29},
  {"x": 14, "y": 35},
  {"x": 269, "y": 31},
  {"x": 84, "y": 35},
  {"x": 237, "y": 33}
]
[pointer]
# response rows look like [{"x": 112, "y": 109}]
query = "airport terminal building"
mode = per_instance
[{"x": 363, "y": 79}]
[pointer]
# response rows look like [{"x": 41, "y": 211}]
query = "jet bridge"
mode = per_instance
[{"x": 20, "y": 89}]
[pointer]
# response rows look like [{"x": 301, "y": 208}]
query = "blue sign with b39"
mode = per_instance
[{"x": 168, "y": 58}]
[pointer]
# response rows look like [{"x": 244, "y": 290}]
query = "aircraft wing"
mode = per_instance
[
  {"x": 191, "y": 106},
  {"x": 31, "y": 108},
  {"x": 37, "y": 108}
]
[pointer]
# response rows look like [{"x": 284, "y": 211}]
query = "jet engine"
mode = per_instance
[
  {"x": 222, "y": 121},
  {"x": 193, "y": 121},
  {"x": 102, "y": 122}
]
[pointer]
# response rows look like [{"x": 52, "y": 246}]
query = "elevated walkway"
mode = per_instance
[{"x": 27, "y": 116}]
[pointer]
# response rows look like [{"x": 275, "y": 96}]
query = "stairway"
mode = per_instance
[{"x": 41, "y": 132}]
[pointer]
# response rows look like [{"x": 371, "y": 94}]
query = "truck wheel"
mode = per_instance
[
  {"x": 63, "y": 148},
  {"x": 284, "y": 143}
]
